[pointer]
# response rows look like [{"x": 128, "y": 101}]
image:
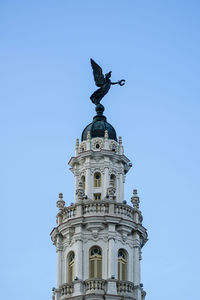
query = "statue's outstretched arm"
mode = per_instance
[{"x": 120, "y": 82}]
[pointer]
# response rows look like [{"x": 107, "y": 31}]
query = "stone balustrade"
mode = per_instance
[
  {"x": 95, "y": 286},
  {"x": 125, "y": 287},
  {"x": 100, "y": 207},
  {"x": 95, "y": 207},
  {"x": 125, "y": 210},
  {"x": 67, "y": 289},
  {"x": 70, "y": 212}
]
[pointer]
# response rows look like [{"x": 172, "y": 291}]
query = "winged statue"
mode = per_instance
[{"x": 103, "y": 82}]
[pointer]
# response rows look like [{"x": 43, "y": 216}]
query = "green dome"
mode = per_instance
[{"x": 98, "y": 126}]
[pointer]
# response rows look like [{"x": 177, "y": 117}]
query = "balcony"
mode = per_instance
[
  {"x": 101, "y": 208},
  {"x": 95, "y": 286},
  {"x": 67, "y": 289}
]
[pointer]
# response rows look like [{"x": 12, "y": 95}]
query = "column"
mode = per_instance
[
  {"x": 136, "y": 265},
  {"x": 88, "y": 183},
  {"x": 59, "y": 261},
  {"x": 76, "y": 175},
  {"x": 111, "y": 282},
  {"x": 121, "y": 187},
  {"x": 79, "y": 259},
  {"x": 105, "y": 182},
  {"x": 78, "y": 285},
  {"x": 111, "y": 258}
]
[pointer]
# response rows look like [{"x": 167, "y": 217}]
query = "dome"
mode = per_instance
[{"x": 98, "y": 126}]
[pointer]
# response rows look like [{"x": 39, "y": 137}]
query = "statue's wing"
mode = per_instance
[{"x": 98, "y": 74}]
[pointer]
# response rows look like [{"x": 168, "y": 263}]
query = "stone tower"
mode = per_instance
[{"x": 99, "y": 237}]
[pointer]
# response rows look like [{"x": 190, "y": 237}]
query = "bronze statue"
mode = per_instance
[{"x": 103, "y": 82}]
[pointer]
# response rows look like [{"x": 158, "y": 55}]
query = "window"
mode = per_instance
[
  {"x": 71, "y": 258},
  {"x": 97, "y": 196},
  {"x": 113, "y": 178},
  {"x": 122, "y": 265},
  {"x": 83, "y": 181},
  {"x": 97, "y": 180},
  {"x": 95, "y": 262}
]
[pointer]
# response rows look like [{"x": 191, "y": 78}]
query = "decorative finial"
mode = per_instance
[
  {"x": 88, "y": 136},
  {"x": 120, "y": 140},
  {"x": 135, "y": 199},
  {"x": 103, "y": 82},
  {"x": 111, "y": 190},
  {"x": 60, "y": 203},
  {"x": 106, "y": 134},
  {"x": 80, "y": 191},
  {"x": 77, "y": 147}
]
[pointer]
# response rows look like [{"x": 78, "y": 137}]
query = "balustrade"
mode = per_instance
[
  {"x": 95, "y": 285},
  {"x": 124, "y": 287},
  {"x": 125, "y": 210},
  {"x": 95, "y": 207},
  {"x": 70, "y": 212},
  {"x": 67, "y": 289},
  {"x": 99, "y": 207}
]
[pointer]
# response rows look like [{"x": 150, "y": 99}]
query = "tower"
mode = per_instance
[{"x": 99, "y": 237}]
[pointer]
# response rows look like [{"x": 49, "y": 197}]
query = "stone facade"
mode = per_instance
[{"x": 99, "y": 217}]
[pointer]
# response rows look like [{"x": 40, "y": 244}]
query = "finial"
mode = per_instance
[
  {"x": 120, "y": 140},
  {"x": 80, "y": 191},
  {"x": 106, "y": 134},
  {"x": 77, "y": 146},
  {"x": 88, "y": 136},
  {"x": 60, "y": 203},
  {"x": 77, "y": 142},
  {"x": 135, "y": 199},
  {"x": 111, "y": 190},
  {"x": 99, "y": 109}
]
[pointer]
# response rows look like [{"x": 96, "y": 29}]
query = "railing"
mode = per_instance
[
  {"x": 67, "y": 289},
  {"x": 95, "y": 285},
  {"x": 95, "y": 207},
  {"x": 70, "y": 212},
  {"x": 124, "y": 287},
  {"x": 100, "y": 207},
  {"x": 125, "y": 210}
]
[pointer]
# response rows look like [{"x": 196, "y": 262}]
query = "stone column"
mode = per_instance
[
  {"x": 136, "y": 265},
  {"x": 111, "y": 260},
  {"x": 121, "y": 187},
  {"x": 59, "y": 249},
  {"x": 88, "y": 183},
  {"x": 79, "y": 260},
  {"x": 105, "y": 182},
  {"x": 76, "y": 173},
  {"x": 111, "y": 267}
]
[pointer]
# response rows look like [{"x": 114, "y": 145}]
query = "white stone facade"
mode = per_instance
[{"x": 107, "y": 223}]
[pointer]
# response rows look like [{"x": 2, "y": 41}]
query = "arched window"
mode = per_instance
[
  {"x": 122, "y": 265},
  {"x": 83, "y": 181},
  {"x": 97, "y": 179},
  {"x": 71, "y": 258},
  {"x": 95, "y": 262},
  {"x": 113, "y": 178}
]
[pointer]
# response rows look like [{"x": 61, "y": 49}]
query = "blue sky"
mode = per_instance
[{"x": 46, "y": 81}]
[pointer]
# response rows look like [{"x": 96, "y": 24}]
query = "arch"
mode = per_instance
[
  {"x": 95, "y": 262},
  {"x": 71, "y": 260},
  {"x": 83, "y": 181},
  {"x": 97, "y": 179},
  {"x": 122, "y": 265},
  {"x": 113, "y": 178}
]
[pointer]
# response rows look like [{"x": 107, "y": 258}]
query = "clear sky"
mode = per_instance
[{"x": 45, "y": 84}]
